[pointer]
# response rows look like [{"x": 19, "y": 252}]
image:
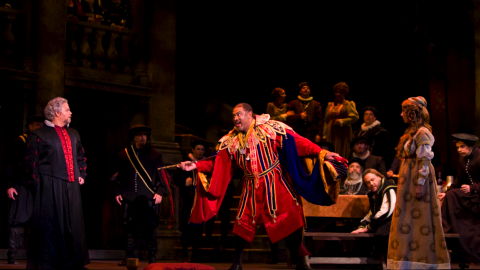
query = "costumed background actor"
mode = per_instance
[
  {"x": 19, "y": 186},
  {"x": 267, "y": 152},
  {"x": 140, "y": 188},
  {"x": 461, "y": 203}
]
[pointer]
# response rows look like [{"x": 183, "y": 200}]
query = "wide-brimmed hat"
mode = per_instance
[
  {"x": 467, "y": 138},
  {"x": 360, "y": 139},
  {"x": 356, "y": 160},
  {"x": 139, "y": 129}
]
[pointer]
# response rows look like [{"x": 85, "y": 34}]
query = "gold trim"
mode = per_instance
[
  {"x": 141, "y": 165},
  {"x": 135, "y": 168},
  {"x": 203, "y": 180}
]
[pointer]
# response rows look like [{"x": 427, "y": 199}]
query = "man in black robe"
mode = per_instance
[
  {"x": 140, "y": 188},
  {"x": 380, "y": 140},
  {"x": 19, "y": 191},
  {"x": 461, "y": 203},
  {"x": 56, "y": 162}
]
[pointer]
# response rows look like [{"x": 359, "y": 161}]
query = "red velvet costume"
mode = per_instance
[{"x": 268, "y": 196}]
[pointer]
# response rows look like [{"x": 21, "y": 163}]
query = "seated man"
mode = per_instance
[
  {"x": 361, "y": 149},
  {"x": 461, "y": 203},
  {"x": 354, "y": 185},
  {"x": 382, "y": 198}
]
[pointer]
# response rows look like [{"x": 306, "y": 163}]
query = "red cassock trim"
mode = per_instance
[{"x": 67, "y": 151}]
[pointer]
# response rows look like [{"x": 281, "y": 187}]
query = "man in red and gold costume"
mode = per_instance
[{"x": 268, "y": 152}]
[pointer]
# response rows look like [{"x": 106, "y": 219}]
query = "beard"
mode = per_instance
[{"x": 354, "y": 177}]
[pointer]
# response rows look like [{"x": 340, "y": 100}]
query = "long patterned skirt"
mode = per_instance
[{"x": 416, "y": 237}]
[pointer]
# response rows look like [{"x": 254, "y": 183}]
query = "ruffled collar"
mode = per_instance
[
  {"x": 304, "y": 99},
  {"x": 372, "y": 125},
  {"x": 362, "y": 157},
  {"x": 261, "y": 129},
  {"x": 49, "y": 123},
  {"x": 352, "y": 182}
]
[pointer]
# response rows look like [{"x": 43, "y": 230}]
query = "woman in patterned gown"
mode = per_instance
[{"x": 416, "y": 235}]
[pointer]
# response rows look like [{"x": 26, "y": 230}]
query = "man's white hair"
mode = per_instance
[{"x": 53, "y": 106}]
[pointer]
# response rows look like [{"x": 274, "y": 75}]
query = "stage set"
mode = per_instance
[{"x": 179, "y": 69}]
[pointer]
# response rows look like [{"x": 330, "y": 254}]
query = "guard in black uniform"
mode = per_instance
[{"x": 140, "y": 188}]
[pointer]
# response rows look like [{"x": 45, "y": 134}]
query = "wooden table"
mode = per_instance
[{"x": 347, "y": 206}]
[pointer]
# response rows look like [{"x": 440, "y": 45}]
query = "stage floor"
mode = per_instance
[{"x": 113, "y": 265}]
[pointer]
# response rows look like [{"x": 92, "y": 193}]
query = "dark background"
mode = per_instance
[
  {"x": 230, "y": 52},
  {"x": 235, "y": 53}
]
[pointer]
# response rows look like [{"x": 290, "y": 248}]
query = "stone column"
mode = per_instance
[
  {"x": 139, "y": 57},
  {"x": 50, "y": 26},
  {"x": 476, "y": 26},
  {"x": 27, "y": 25},
  {"x": 161, "y": 70}
]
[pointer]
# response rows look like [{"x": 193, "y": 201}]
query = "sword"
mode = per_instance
[{"x": 176, "y": 165}]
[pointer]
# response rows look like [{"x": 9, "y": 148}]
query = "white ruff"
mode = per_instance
[
  {"x": 264, "y": 129},
  {"x": 372, "y": 125}
]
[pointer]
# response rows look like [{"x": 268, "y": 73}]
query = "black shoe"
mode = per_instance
[
  {"x": 236, "y": 266},
  {"x": 11, "y": 261}
]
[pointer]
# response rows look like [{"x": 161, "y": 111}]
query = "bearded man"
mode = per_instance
[{"x": 354, "y": 185}]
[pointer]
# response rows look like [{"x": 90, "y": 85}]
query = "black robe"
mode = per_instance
[
  {"x": 381, "y": 143},
  {"x": 461, "y": 211},
  {"x": 57, "y": 238},
  {"x": 313, "y": 124},
  {"x": 372, "y": 162}
]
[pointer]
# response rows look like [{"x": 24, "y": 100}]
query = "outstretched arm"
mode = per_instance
[{"x": 305, "y": 147}]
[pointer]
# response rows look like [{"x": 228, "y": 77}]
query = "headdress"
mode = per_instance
[{"x": 420, "y": 101}]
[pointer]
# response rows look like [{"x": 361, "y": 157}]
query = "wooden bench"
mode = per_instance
[
  {"x": 341, "y": 236},
  {"x": 346, "y": 207}
]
